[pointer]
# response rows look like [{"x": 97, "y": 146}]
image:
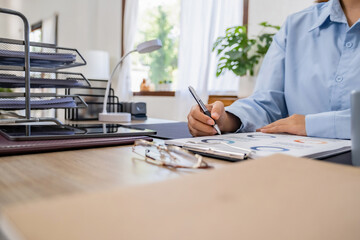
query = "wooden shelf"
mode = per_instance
[
  {"x": 226, "y": 99},
  {"x": 155, "y": 93}
]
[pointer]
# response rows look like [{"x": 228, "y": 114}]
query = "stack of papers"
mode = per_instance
[
  {"x": 37, "y": 59},
  {"x": 37, "y": 103},
  {"x": 13, "y": 81},
  {"x": 255, "y": 145}
]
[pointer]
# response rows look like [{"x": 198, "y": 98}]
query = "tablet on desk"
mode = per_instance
[{"x": 43, "y": 132}]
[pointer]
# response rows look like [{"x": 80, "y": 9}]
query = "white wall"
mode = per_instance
[
  {"x": 161, "y": 107},
  {"x": 274, "y": 12},
  {"x": 83, "y": 24},
  {"x": 9, "y": 25},
  {"x": 2, "y": 20}
]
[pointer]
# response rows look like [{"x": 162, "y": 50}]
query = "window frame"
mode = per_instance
[{"x": 170, "y": 93}]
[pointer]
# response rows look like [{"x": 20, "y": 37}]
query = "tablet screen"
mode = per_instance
[{"x": 40, "y": 132}]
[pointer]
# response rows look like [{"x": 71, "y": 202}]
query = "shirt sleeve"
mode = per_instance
[
  {"x": 335, "y": 124},
  {"x": 267, "y": 103}
]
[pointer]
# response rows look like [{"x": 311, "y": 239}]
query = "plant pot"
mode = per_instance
[
  {"x": 164, "y": 87},
  {"x": 246, "y": 86}
]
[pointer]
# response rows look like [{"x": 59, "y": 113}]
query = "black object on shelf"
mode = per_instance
[{"x": 136, "y": 109}]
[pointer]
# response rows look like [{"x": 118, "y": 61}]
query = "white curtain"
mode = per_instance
[
  {"x": 123, "y": 85},
  {"x": 202, "y": 21},
  {"x": 229, "y": 13}
]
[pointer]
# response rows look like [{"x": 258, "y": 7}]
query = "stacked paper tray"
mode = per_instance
[
  {"x": 42, "y": 56},
  {"x": 16, "y": 79},
  {"x": 16, "y": 101},
  {"x": 37, "y": 66},
  {"x": 37, "y": 59},
  {"x": 94, "y": 98}
]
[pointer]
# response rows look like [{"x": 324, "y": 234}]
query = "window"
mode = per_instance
[
  {"x": 201, "y": 23},
  {"x": 44, "y": 31},
  {"x": 157, "y": 19},
  {"x": 36, "y": 32}
]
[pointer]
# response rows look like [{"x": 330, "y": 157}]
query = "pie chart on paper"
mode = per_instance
[
  {"x": 260, "y": 136},
  {"x": 217, "y": 141},
  {"x": 269, "y": 149},
  {"x": 310, "y": 141}
]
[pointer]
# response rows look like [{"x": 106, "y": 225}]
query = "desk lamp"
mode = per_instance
[{"x": 145, "y": 47}]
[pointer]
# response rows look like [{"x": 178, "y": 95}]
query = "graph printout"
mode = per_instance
[{"x": 262, "y": 144}]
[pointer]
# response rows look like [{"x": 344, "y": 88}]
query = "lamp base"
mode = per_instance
[{"x": 115, "y": 117}]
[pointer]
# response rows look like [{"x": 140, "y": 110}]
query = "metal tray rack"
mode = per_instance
[{"x": 26, "y": 65}]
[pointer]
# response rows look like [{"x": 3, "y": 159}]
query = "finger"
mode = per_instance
[
  {"x": 197, "y": 133},
  {"x": 217, "y": 110},
  {"x": 198, "y": 115},
  {"x": 283, "y": 121},
  {"x": 276, "y": 129},
  {"x": 199, "y": 127}
]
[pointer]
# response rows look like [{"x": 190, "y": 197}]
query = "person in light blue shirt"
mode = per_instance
[{"x": 305, "y": 81}]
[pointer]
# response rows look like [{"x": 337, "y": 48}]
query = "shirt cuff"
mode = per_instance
[
  {"x": 321, "y": 125},
  {"x": 236, "y": 112}
]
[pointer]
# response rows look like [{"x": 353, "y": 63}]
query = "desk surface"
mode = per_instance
[
  {"x": 278, "y": 197},
  {"x": 47, "y": 175},
  {"x": 35, "y": 176}
]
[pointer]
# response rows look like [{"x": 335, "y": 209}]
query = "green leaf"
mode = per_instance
[{"x": 240, "y": 54}]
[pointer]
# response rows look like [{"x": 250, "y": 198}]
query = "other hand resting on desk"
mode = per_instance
[{"x": 201, "y": 125}]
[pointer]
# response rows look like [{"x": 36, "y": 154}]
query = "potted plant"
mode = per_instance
[
  {"x": 241, "y": 54},
  {"x": 165, "y": 85}
]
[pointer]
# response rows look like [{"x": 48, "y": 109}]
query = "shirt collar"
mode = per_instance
[{"x": 331, "y": 9}]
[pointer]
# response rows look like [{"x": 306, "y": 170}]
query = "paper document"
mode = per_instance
[
  {"x": 37, "y": 59},
  {"x": 262, "y": 144},
  {"x": 37, "y": 103},
  {"x": 13, "y": 81}
]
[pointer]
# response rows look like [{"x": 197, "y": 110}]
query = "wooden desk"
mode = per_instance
[
  {"x": 35, "y": 176},
  {"x": 278, "y": 197},
  {"x": 48, "y": 175}
]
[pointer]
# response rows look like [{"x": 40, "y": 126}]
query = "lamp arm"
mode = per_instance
[{"x": 110, "y": 79}]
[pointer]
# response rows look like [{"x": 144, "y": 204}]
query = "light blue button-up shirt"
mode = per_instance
[{"x": 311, "y": 68}]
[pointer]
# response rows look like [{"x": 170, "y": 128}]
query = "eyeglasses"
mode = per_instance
[{"x": 168, "y": 156}]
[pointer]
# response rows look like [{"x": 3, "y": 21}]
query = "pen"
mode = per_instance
[{"x": 203, "y": 108}]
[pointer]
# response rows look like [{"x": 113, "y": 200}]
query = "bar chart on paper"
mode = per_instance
[{"x": 261, "y": 144}]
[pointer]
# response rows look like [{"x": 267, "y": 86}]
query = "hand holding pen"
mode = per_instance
[{"x": 202, "y": 106}]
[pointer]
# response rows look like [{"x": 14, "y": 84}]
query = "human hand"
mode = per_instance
[
  {"x": 201, "y": 125},
  {"x": 295, "y": 124}
]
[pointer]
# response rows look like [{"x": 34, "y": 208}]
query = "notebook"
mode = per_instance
[
  {"x": 238, "y": 146},
  {"x": 8, "y": 147}
]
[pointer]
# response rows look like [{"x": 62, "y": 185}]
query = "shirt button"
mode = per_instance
[
  {"x": 339, "y": 78},
  {"x": 349, "y": 44}
]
